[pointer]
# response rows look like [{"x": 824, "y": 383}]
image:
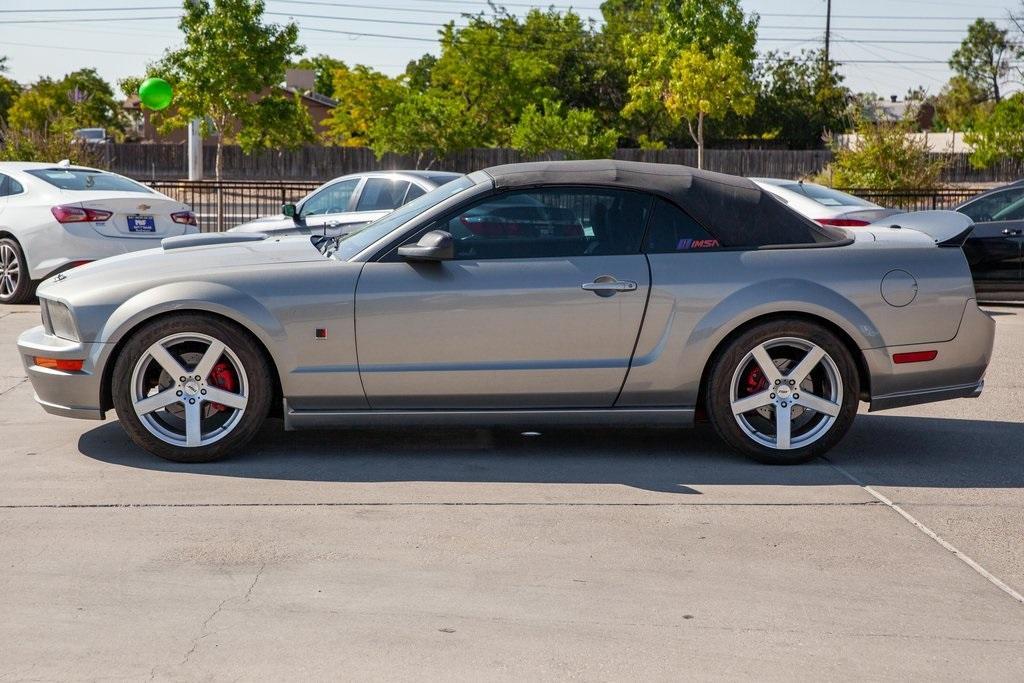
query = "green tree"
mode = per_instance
[
  {"x": 578, "y": 133},
  {"x": 499, "y": 64},
  {"x": 984, "y": 57},
  {"x": 711, "y": 28},
  {"x": 1000, "y": 134},
  {"x": 364, "y": 97},
  {"x": 9, "y": 91},
  {"x": 883, "y": 156},
  {"x": 419, "y": 72},
  {"x": 323, "y": 68},
  {"x": 702, "y": 87},
  {"x": 800, "y": 100},
  {"x": 227, "y": 75},
  {"x": 960, "y": 103},
  {"x": 430, "y": 125},
  {"x": 80, "y": 99}
]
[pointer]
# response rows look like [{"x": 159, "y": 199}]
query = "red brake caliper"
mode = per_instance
[
  {"x": 756, "y": 381},
  {"x": 223, "y": 377}
]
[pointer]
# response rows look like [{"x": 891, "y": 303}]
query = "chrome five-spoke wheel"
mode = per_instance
[
  {"x": 191, "y": 387},
  {"x": 786, "y": 393},
  {"x": 783, "y": 391},
  {"x": 189, "y": 390}
]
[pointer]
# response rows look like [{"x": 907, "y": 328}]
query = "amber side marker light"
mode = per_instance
[
  {"x": 914, "y": 357},
  {"x": 65, "y": 364}
]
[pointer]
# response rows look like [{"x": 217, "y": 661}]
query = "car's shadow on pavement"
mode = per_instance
[{"x": 880, "y": 450}]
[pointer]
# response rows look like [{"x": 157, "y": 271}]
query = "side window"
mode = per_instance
[
  {"x": 415, "y": 192},
  {"x": 4, "y": 184},
  {"x": 672, "y": 230},
  {"x": 14, "y": 187},
  {"x": 552, "y": 222},
  {"x": 382, "y": 194},
  {"x": 332, "y": 199},
  {"x": 986, "y": 208}
]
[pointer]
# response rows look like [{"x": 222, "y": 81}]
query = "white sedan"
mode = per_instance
[
  {"x": 58, "y": 216},
  {"x": 823, "y": 204}
]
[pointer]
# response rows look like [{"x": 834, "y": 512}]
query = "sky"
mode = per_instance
[{"x": 887, "y": 46}]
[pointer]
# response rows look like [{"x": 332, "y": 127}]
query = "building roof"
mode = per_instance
[{"x": 733, "y": 209}]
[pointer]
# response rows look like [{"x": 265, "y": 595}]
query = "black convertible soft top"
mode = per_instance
[{"x": 733, "y": 209}]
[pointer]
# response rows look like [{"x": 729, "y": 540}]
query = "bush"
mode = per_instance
[
  {"x": 884, "y": 157},
  {"x": 51, "y": 145}
]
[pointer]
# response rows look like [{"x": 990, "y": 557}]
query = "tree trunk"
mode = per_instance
[
  {"x": 220, "y": 156},
  {"x": 700, "y": 140}
]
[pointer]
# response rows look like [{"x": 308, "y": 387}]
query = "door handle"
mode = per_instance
[
  {"x": 1011, "y": 232},
  {"x": 606, "y": 285}
]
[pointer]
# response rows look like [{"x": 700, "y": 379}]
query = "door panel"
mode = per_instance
[
  {"x": 498, "y": 333},
  {"x": 994, "y": 253}
]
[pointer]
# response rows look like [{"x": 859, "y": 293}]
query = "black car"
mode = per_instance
[{"x": 995, "y": 249}]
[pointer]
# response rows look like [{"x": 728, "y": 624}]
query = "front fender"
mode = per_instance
[{"x": 210, "y": 297}]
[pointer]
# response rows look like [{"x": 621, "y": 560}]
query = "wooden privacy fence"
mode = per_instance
[
  {"x": 169, "y": 162},
  {"x": 225, "y": 204}
]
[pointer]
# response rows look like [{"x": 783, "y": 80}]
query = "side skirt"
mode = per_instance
[{"x": 578, "y": 417}]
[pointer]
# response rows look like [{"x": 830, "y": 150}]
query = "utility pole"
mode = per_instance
[
  {"x": 828, "y": 30},
  {"x": 195, "y": 150}
]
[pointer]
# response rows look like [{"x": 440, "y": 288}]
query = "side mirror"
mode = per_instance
[
  {"x": 436, "y": 245},
  {"x": 290, "y": 211}
]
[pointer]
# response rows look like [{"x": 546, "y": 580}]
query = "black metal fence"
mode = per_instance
[
  {"x": 917, "y": 200},
  {"x": 225, "y": 204}
]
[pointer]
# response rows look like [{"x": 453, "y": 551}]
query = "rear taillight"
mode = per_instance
[
  {"x": 184, "y": 218},
  {"x": 77, "y": 214},
  {"x": 842, "y": 222}
]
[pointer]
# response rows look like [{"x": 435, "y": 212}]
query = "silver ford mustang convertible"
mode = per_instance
[{"x": 585, "y": 293}]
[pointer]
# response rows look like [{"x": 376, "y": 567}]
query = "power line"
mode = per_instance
[
  {"x": 79, "y": 21},
  {"x": 90, "y": 9}
]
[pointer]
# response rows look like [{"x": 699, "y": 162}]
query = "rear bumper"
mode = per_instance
[
  {"x": 957, "y": 371},
  {"x": 68, "y": 394}
]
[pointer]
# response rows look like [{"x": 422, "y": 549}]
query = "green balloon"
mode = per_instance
[{"x": 155, "y": 93}]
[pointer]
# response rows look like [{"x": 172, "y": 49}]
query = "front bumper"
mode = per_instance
[
  {"x": 68, "y": 394},
  {"x": 957, "y": 371}
]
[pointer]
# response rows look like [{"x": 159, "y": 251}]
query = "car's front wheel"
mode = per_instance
[
  {"x": 15, "y": 285},
  {"x": 783, "y": 392},
  {"x": 191, "y": 387}
]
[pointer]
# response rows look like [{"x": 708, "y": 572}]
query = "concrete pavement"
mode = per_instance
[{"x": 465, "y": 554}]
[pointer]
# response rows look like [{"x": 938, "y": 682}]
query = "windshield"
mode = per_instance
[
  {"x": 826, "y": 196},
  {"x": 83, "y": 179},
  {"x": 347, "y": 246}
]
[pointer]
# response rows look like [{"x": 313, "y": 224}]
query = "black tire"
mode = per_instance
[
  {"x": 239, "y": 341},
  {"x": 24, "y": 289},
  {"x": 734, "y": 352}
]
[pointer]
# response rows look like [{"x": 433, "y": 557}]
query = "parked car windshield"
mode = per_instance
[
  {"x": 826, "y": 196},
  {"x": 351, "y": 244},
  {"x": 82, "y": 179}
]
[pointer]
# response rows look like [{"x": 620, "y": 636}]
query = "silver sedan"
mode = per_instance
[{"x": 589, "y": 293}]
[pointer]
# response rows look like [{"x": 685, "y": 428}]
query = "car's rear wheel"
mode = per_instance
[
  {"x": 191, "y": 388},
  {"x": 783, "y": 392},
  {"x": 15, "y": 285}
]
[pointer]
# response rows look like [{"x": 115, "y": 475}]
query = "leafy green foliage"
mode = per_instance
[
  {"x": 578, "y": 133},
  {"x": 984, "y": 57},
  {"x": 799, "y": 100},
  {"x": 323, "y": 68},
  {"x": 9, "y": 91},
  {"x": 430, "y": 125},
  {"x": 79, "y": 100},
  {"x": 883, "y": 157},
  {"x": 364, "y": 96},
  {"x": 960, "y": 104},
  {"x": 1000, "y": 134},
  {"x": 50, "y": 145},
  {"x": 680, "y": 31},
  {"x": 227, "y": 73}
]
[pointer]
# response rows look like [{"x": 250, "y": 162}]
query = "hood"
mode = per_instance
[{"x": 186, "y": 258}]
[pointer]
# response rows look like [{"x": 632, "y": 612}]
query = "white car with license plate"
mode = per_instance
[{"x": 58, "y": 216}]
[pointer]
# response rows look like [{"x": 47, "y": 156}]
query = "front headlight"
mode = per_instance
[{"x": 61, "y": 322}]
